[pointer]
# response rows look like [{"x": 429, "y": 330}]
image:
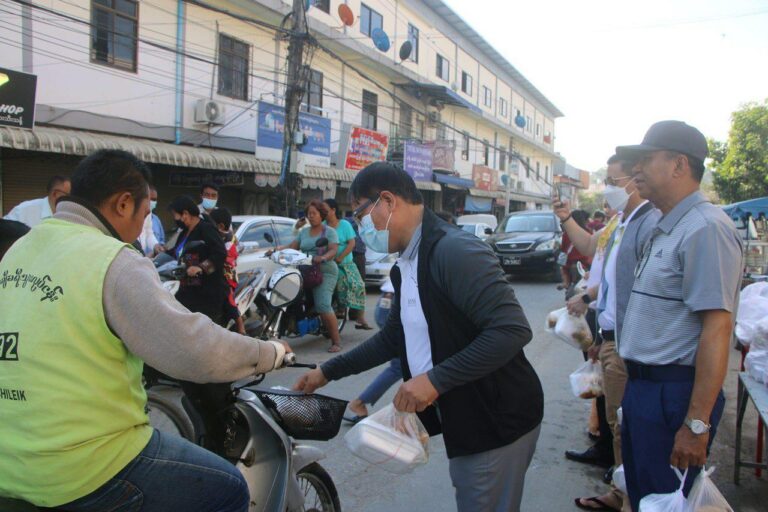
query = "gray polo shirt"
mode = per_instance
[{"x": 691, "y": 263}]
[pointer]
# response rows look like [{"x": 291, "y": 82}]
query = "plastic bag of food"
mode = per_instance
[
  {"x": 672, "y": 502},
  {"x": 756, "y": 364},
  {"x": 392, "y": 440},
  {"x": 704, "y": 495},
  {"x": 753, "y": 308},
  {"x": 573, "y": 330},
  {"x": 587, "y": 380}
]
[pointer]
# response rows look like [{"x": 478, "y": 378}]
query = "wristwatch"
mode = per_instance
[
  {"x": 698, "y": 427},
  {"x": 586, "y": 299}
]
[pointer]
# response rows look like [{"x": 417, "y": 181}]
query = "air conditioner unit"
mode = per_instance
[
  {"x": 454, "y": 86},
  {"x": 434, "y": 117},
  {"x": 209, "y": 112},
  {"x": 520, "y": 186}
]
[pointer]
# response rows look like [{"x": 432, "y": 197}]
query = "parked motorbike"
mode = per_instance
[
  {"x": 262, "y": 426},
  {"x": 296, "y": 317}
]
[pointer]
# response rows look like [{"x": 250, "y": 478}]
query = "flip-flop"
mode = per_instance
[
  {"x": 363, "y": 327},
  {"x": 354, "y": 419},
  {"x": 334, "y": 349},
  {"x": 596, "y": 500}
]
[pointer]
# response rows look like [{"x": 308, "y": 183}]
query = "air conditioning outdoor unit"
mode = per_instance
[
  {"x": 434, "y": 117},
  {"x": 454, "y": 86},
  {"x": 209, "y": 112}
]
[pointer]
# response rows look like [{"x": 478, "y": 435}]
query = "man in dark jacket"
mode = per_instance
[{"x": 459, "y": 334}]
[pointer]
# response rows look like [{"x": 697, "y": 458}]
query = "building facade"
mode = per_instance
[{"x": 185, "y": 85}]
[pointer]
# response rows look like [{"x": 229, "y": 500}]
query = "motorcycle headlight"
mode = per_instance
[{"x": 549, "y": 245}]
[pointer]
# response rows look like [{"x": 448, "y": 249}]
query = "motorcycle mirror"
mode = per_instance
[
  {"x": 321, "y": 242},
  {"x": 285, "y": 290},
  {"x": 488, "y": 231},
  {"x": 269, "y": 238}
]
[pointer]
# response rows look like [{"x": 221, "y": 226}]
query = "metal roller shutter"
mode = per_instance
[{"x": 25, "y": 174}]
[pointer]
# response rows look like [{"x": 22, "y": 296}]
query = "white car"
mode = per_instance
[
  {"x": 481, "y": 225},
  {"x": 250, "y": 231},
  {"x": 377, "y": 267},
  {"x": 480, "y": 230}
]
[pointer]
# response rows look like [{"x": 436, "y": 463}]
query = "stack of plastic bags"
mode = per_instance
[
  {"x": 704, "y": 497},
  {"x": 573, "y": 330},
  {"x": 752, "y": 329},
  {"x": 587, "y": 380}
]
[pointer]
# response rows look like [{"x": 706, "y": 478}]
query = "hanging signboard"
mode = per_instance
[
  {"x": 270, "y": 125},
  {"x": 197, "y": 179},
  {"x": 484, "y": 178},
  {"x": 17, "y": 98},
  {"x": 443, "y": 154},
  {"x": 417, "y": 161},
  {"x": 364, "y": 148}
]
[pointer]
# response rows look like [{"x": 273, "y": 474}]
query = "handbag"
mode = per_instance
[
  {"x": 311, "y": 274},
  {"x": 562, "y": 258}
]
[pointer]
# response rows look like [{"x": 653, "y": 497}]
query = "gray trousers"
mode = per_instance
[{"x": 493, "y": 481}]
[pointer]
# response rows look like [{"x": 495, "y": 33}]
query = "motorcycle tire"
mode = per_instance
[
  {"x": 167, "y": 417},
  {"x": 320, "y": 494}
]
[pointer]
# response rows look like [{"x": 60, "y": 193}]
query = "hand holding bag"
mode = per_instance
[{"x": 311, "y": 274}]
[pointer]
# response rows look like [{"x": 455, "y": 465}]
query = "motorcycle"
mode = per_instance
[
  {"x": 296, "y": 317},
  {"x": 261, "y": 432}
]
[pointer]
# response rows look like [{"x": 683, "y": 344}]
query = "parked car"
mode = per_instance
[
  {"x": 377, "y": 267},
  {"x": 480, "y": 230},
  {"x": 250, "y": 230},
  {"x": 528, "y": 242},
  {"x": 481, "y": 225}
]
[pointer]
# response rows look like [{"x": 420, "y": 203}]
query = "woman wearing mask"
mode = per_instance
[
  {"x": 573, "y": 256},
  {"x": 305, "y": 241},
  {"x": 350, "y": 286}
]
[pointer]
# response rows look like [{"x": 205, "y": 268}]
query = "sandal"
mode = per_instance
[
  {"x": 334, "y": 348},
  {"x": 601, "y": 505},
  {"x": 365, "y": 327}
]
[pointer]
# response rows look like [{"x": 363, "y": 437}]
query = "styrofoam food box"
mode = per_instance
[{"x": 385, "y": 448}]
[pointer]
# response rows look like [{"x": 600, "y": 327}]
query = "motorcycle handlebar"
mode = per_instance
[{"x": 289, "y": 360}]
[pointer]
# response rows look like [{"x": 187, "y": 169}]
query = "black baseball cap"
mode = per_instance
[{"x": 669, "y": 136}]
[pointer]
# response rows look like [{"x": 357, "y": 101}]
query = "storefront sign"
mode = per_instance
[
  {"x": 443, "y": 155},
  {"x": 17, "y": 99},
  {"x": 364, "y": 148},
  {"x": 197, "y": 179},
  {"x": 269, "y": 135},
  {"x": 484, "y": 178},
  {"x": 417, "y": 161}
]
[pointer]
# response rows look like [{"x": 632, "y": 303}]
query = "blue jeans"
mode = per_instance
[
  {"x": 170, "y": 473},
  {"x": 382, "y": 382},
  {"x": 652, "y": 413}
]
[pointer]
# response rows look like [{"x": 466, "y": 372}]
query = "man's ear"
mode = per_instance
[
  {"x": 124, "y": 204},
  {"x": 389, "y": 199}
]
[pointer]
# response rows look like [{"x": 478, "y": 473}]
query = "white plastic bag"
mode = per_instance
[
  {"x": 619, "y": 479},
  {"x": 751, "y": 326},
  {"x": 392, "y": 440},
  {"x": 573, "y": 330},
  {"x": 672, "y": 502},
  {"x": 756, "y": 364},
  {"x": 704, "y": 495},
  {"x": 587, "y": 380}
]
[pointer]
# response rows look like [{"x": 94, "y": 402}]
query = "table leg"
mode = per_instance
[
  {"x": 759, "y": 451},
  {"x": 741, "y": 407}
]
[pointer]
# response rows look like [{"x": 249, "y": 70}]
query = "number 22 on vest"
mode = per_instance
[{"x": 9, "y": 346}]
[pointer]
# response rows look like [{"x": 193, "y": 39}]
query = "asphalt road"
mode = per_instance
[{"x": 552, "y": 482}]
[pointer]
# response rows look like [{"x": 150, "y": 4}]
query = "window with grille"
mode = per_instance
[
  {"x": 486, "y": 153},
  {"x": 370, "y": 110},
  {"x": 503, "y": 107},
  {"x": 323, "y": 5},
  {"x": 115, "y": 33},
  {"x": 370, "y": 20},
  {"x": 233, "y": 67},
  {"x": 465, "y": 146},
  {"x": 406, "y": 121},
  {"x": 313, "y": 99},
  {"x": 413, "y": 37},
  {"x": 442, "y": 67}
]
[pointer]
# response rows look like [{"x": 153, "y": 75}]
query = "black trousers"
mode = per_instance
[{"x": 605, "y": 443}]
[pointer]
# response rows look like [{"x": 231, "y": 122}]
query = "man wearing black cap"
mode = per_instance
[{"x": 679, "y": 321}]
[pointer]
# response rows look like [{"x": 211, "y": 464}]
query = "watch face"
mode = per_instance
[{"x": 698, "y": 427}]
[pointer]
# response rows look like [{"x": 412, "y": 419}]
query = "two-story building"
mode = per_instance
[{"x": 195, "y": 88}]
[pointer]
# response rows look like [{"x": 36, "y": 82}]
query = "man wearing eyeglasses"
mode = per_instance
[
  {"x": 616, "y": 250},
  {"x": 34, "y": 211},
  {"x": 679, "y": 322},
  {"x": 459, "y": 336}
]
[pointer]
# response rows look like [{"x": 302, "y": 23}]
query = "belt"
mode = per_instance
[
  {"x": 666, "y": 373},
  {"x": 608, "y": 335}
]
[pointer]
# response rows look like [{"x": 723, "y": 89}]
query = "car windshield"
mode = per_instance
[
  {"x": 236, "y": 226},
  {"x": 468, "y": 227},
  {"x": 528, "y": 223}
]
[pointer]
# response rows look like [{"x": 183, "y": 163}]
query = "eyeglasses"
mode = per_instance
[
  {"x": 357, "y": 213},
  {"x": 615, "y": 181}
]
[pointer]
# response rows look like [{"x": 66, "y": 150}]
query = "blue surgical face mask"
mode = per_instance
[
  {"x": 376, "y": 240},
  {"x": 152, "y": 205},
  {"x": 209, "y": 204}
]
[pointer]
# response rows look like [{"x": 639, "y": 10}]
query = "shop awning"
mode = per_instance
[
  {"x": 478, "y": 192},
  {"x": 754, "y": 208},
  {"x": 477, "y": 204},
  {"x": 447, "y": 179},
  {"x": 78, "y": 142},
  {"x": 439, "y": 93}
]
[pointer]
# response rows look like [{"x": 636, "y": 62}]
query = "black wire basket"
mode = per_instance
[{"x": 315, "y": 417}]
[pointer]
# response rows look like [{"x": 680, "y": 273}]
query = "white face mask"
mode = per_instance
[{"x": 616, "y": 197}]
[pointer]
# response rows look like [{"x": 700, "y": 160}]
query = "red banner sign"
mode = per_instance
[
  {"x": 484, "y": 178},
  {"x": 365, "y": 147}
]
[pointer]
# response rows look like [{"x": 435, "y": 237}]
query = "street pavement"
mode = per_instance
[{"x": 552, "y": 481}]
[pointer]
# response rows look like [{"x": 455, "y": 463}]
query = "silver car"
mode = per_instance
[
  {"x": 377, "y": 267},
  {"x": 250, "y": 231}
]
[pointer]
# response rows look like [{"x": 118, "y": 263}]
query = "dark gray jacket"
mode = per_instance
[{"x": 489, "y": 393}]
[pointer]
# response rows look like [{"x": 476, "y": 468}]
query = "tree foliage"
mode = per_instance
[
  {"x": 591, "y": 201},
  {"x": 741, "y": 164}
]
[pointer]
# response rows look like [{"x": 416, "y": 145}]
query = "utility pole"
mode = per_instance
[{"x": 295, "y": 89}]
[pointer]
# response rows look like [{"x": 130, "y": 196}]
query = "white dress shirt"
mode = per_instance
[{"x": 31, "y": 212}]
